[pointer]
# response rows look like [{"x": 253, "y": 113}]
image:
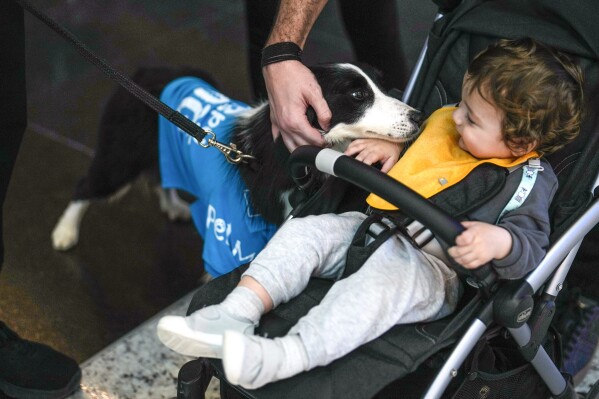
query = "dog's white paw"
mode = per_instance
[
  {"x": 66, "y": 233},
  {"x": 65, "y": 236}
]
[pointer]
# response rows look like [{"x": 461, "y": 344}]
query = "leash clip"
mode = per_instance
[{"x": 231, "y": 153}]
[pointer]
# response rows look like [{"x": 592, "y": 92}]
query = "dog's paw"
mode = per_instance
[{"x": 64, "y": 237}]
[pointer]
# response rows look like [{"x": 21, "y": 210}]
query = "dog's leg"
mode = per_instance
[
  {"x": 66, "y": 233},
  {"x": 171, "y": 204}
]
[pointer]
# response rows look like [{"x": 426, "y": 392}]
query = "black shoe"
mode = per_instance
[
  {"x": 34, "y": 371},
  {"x": 581, "y": 344},
  {"x": 578, "y": 323}
]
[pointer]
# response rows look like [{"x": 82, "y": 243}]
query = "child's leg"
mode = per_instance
[
  {"x": 302, "y": 247},
  {"x": 398, "y": 284}
]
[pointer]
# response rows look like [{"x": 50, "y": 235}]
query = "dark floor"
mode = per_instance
[{"x": 131, "y": 262}]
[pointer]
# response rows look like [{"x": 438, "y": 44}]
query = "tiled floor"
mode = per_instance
[
  {"x": 131, "y": 264},
  {"x": 109, "y": 374}
]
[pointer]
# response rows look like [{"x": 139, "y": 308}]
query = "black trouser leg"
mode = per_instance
[
  {"x": 13, "y": 103},
  {"x": 373, "y": 29},
  {"x": 260, "y": 15}
]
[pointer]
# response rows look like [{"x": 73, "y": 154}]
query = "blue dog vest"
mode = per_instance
[{"x": 232, "y": 232}]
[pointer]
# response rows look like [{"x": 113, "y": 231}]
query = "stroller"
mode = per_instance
[{"x": 500, "y": 343}]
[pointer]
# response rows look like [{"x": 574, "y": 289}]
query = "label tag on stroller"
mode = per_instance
[{"x": 529, "y": 177}]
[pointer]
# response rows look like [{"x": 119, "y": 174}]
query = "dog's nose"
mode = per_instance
[{"x": 417, "y": 117}]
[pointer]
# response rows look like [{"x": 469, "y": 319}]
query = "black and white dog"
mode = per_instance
[{"x": 128, "y": 141}]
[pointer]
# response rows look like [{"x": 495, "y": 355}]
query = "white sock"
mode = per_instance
[
  {"x": 243, "y": 303},
  {"x": 296, "y": 358},
  {"x": 253, "y": 361}
]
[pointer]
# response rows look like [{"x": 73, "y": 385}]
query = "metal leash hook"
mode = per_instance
[{"x": 231, "y": 153}]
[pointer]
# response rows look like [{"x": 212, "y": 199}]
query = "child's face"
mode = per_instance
[{"x": 479, "y": 124}]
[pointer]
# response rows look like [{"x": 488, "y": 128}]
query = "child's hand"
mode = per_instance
[
  {"x": 480, "y": 243},
  {"x": 371, "y": 151}
]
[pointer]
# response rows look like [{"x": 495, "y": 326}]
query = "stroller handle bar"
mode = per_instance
[
  {"x": 440, "y": 223},
  {"x": 335, "y": 163}
]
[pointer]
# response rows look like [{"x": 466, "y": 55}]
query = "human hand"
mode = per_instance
[
  {"x": 479, "y": 244},
  {"x": 371, "y": 151},
  {"x": 291, "y": 89}
]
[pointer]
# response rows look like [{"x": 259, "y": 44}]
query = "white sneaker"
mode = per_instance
[{"x": 201, "y": 333}]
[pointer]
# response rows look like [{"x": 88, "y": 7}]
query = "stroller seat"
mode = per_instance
[
  {"x": 436, "y": 351},
  {"x": 396, "y": 353}
]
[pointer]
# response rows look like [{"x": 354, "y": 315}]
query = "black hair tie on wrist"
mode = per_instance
[{"x": 283, "y": 51}]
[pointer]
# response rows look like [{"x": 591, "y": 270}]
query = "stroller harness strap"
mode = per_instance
[
  {"x": 379, "y": 226},
  {"x": 529, "y": 177},
  {"x": 372, "y": 233},
  {"x": 435, "y": 161}
]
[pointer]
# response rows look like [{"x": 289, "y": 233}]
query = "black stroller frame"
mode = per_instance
[{"x": 523, "y": 307}]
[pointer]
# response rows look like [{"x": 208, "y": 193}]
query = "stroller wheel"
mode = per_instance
[{"x": 593, "y": 392}]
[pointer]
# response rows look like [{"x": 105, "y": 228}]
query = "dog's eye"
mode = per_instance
[{"x": 359, "y": 95}]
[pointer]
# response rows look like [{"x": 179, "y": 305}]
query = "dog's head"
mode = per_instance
[{"x": 359, "y": 107}]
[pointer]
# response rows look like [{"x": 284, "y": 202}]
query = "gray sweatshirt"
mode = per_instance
[{"x": 529, "y": 225}]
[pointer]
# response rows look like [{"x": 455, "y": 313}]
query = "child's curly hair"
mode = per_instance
[{"x": 538, "y": 89}]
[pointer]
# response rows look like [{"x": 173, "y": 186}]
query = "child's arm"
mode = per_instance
[
  {"x": 371, "y": 151},
  {"x": 480, "y": 243},
  {"x": 529, "y": 227}
]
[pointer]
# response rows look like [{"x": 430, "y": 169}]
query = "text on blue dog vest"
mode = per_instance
[
  {"x": 222, "y": 232},
  {"x": 210, "y": 104}
]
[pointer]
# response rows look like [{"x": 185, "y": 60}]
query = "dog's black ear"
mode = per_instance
[
  {"x": 280, "y": 151},
  {"x": 373, "y": 73},
  {"x": 312, "y": 118}
]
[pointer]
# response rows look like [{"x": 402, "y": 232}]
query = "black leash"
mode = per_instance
[{"x": 231, "y": 153}]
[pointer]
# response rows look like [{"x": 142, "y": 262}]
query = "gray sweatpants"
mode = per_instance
[{"x": 398, "y": 284}]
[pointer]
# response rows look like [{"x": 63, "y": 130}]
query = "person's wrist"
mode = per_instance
[{"x": 282, "y": 51}]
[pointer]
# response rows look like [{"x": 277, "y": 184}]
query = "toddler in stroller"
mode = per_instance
[{"x": 520, "y": 100}]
